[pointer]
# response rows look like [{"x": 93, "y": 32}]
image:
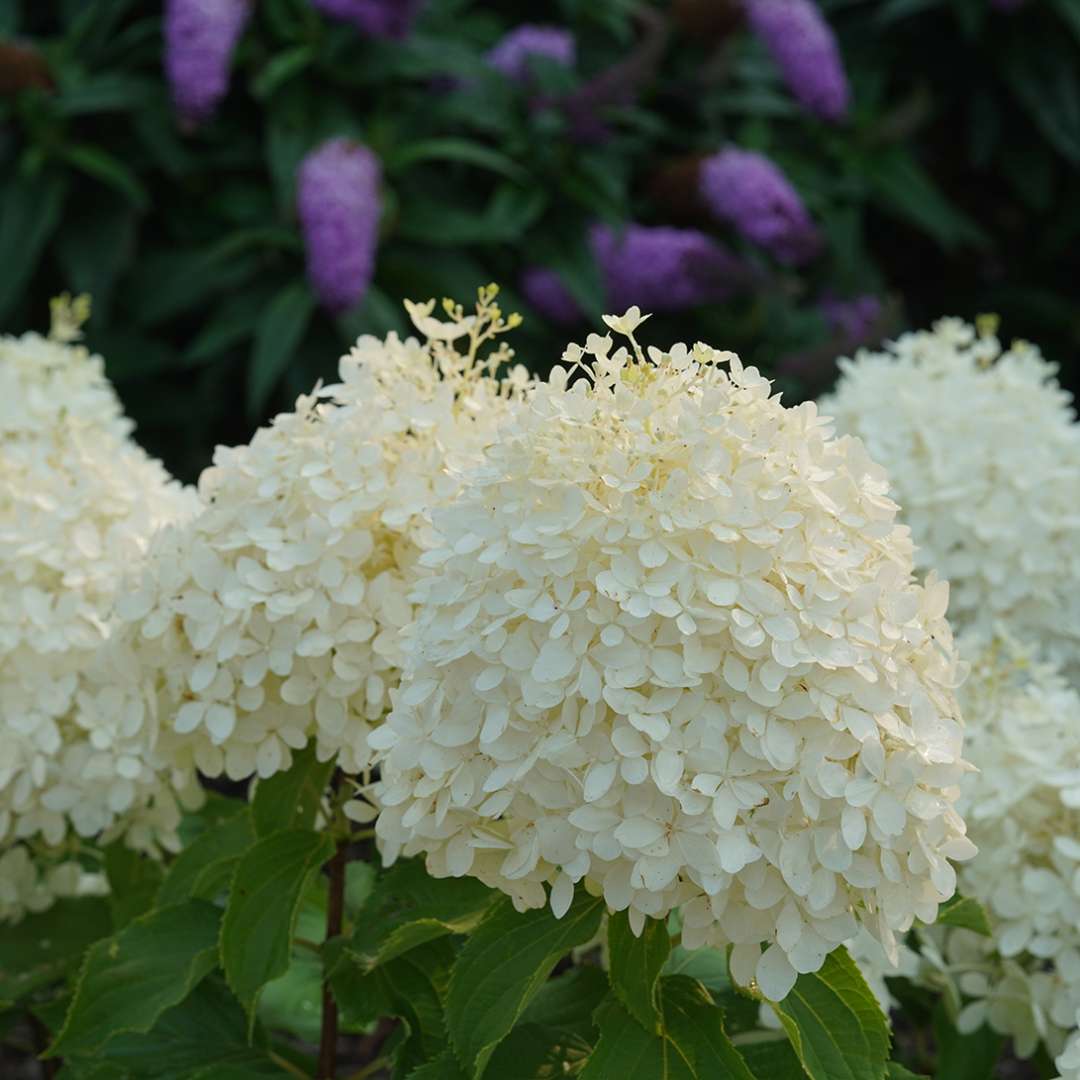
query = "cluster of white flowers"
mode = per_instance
[
  {"x": 1023, "y": 811},
  {"x": 1068, "y": 1061},
  {"x": 275, "y": 617},
  {"x": 31, "y": 882},
  {"x": 672, "y": 649},
  {"x": 79, "y": 502},
  {"x": 984, "y": 458}
]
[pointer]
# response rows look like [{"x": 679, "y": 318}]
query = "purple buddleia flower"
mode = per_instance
[
  {"x": 749, "y": 192},
  {"x": 659, "y": 268},
  {"x": 513, "y": 54},
  {"x": 338, "y": 204},
  {"x": 853, "y": 319},
  {"x": 804, "y": 48},
  {"x": 379, "y": 18},
  {"x": 200, "y": 36}
]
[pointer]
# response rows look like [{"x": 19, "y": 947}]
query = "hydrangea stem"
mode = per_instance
[{"x": 335, "y": 905}]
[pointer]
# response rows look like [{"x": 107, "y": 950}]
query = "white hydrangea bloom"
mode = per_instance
[
  {"x": 983, "y": 456},
  {"x": 30, "y": 882},
  {"x": 78, "y": 504},
  {"x": 1023, "y": 811},
  {"x": 1068, "y": 1061},
  {"x": 673, "y": 650},
  {"x": 274, "y": 618}
]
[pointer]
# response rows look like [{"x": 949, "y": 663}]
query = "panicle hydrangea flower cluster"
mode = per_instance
[
  {"x": 984, "y": 457},
  {"x": 200, "y": 36},
  {"x": 79, "y": 502},
  {"x": 746, "y": 190},
  {"x": 672, "y": 650},
  {"x": 804, "y": 48},
  {"x": 273, "y": 619},
  {"x": 378, "y": 18},
  {"x": 1068, "y": 1061},
  {"x": 659, "y": 267},
  {"x": 513, "y": 54},
  {"x": 338, "y": 203},
  {"x": 1022, "y": 808}
]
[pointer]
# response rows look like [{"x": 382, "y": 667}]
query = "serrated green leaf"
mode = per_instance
[
  {"x": 635, "y": 963},
  {"x": 443, "y": 1067},
  {"x": 965, "y": 912},
  {"x": 504, "y": 963},
  {"x": 835, "y": 1024},
  {"x": 207, "y": 860},
  {"x": 43, "y": 948},
  {"x": 277, "y": 335},
  {"x": 128, "y": 980},
  {"x": 691, "y": 1044},
  {"x": 264, "y": 901},
  {"x": 708, "y": 966},
  {"x": 772, "y": 1058},
  {"x": 290, "y": 799},
  {"x": 535, "y": 1052},
  {"x": 134, "y": 880},
  {"x": 899, "y": 1072},
  {"x": 408, "y": 907},
  {"x": 29, "y": 214}
]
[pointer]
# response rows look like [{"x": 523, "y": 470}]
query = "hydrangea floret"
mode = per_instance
[{"x": 672, "y": 652}]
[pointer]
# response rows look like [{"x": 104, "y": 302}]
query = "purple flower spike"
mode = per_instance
[
  {"x": 804, "y": 48},
  {"x": 548, "y": 295},
  {"x": 513, "y": 55},
  {"x": 200, "y": 36},
  {"x": 656, "y": 267},
  {"x": 748, "y": 191},
  {"x": 851, "y": 319},
  {"x": 379, "y": 18},
  {"x": 338, "y": 203},
  {"x": 660, "y": 268}
]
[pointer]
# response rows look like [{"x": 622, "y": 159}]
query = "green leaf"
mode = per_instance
[
  {"x": 128, "y": 980},
  {"x": 635, "y": 966},
  {"x": 835, "y": 1024},
  {"x": 281, "y": 69},
  {"x": 504, "y": 963},
  {"x": 965, "y": 912},
  {"x": 1042, "y": 73},
  {"x": 902, "y": 187},
  {"x": 408, "y": 907},
  {"x": 264, "y": 901},
  {"x": 567, "y": 1002},
  {"x": 511, "y": 210},
  {"x": 899, "y": 1072},
  {"x": 102, "y": 93},
  {"x": 207, "y": 861},
  {"x": 278, "y": 333},
  {"x": 134, "y": 881},
  {"x": 443, "y": 1067},
  {"x": 772, "y": 1058},
  {"x": 43, "y": 948},
  {"x": 290, "y": 799},
  {"x": 30, "y": 209},
  {"x": 691, "y": 1044},
  {"x": 110, "y": 170},
  {"x": 449, "y": 149},
  {"x": 708, "y": 966},
  {"x": 534, "y": 1052},
  {"x": 233, "y": 322}
]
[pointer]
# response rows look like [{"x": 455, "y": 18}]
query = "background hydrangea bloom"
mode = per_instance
[
  {"x": 673, "y": 651},
  {"x": 79, "y": 502},
  {"x": 805, "y": 50},
  {"x": 379, "y": 18},
  {"x": 200, "y": 36},
  {"x": 273, "y": 619},
  {"x": 338, "y": 203},
  {"x": 660, "y": 267},
  {"x": 746, "y": 190},
  {"x": 984, "y": 456}
]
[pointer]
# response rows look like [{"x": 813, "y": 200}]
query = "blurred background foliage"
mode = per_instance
[{"x": 952, "y": 186}]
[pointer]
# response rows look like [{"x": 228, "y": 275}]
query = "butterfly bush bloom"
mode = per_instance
[
  {"x": 1022, "y": 807},
  {"x": 378, "y": 18},
  {"x": 853, "y": 318},
  {"x": 79, "y": 502},
  {"x": 273, "y": 620},
  {"x": 672, "y": 652},
  {"x": 984, "y": 456},
  {"x": 200, "y": 36},
  {"x": 664, "y": 268},
  {"x": 339, "y": 205},
  {"x": 514, "y": 54},
  {"x": 804, "y": 48},
  {"x": 746, "y": 190}
]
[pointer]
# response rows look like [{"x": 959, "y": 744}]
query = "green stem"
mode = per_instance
[
  {"x": 371, "y": 1069},
  {"x": 287, "y": 1065},
  {"x": 335, "y": 908}
]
